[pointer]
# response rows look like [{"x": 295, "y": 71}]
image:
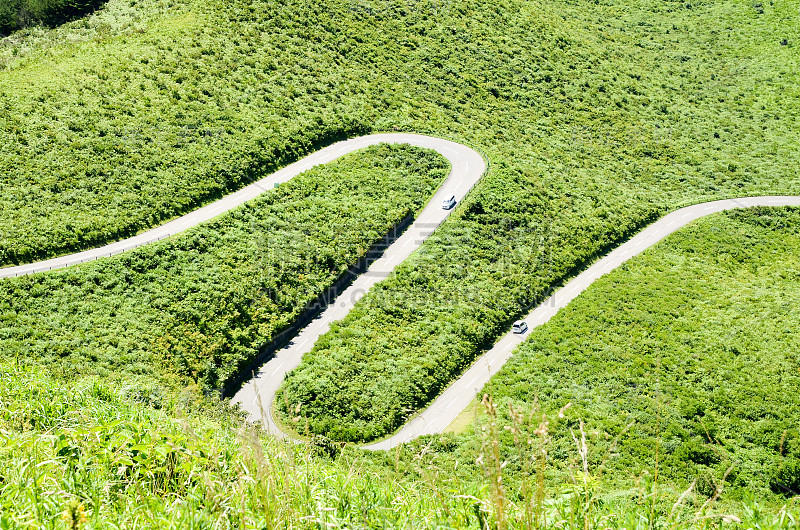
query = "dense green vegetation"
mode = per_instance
[
  {"x": 17, "y": 14},
  {"x": 685, "y": 359},
  {"x": 688, "y": 348},
  {"x": 87, "y": 452},
  {"x": 90, "y": 455},
  {"x": 593, "y": 132},
  {"x": 197, "y": 306},
  {"x": 595, "y": 117},
  {"x": 592, "y": 129},
  {"x": 130, "y": 127}
]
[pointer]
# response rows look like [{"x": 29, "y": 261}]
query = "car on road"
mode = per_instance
[
  {"x": 519, "y": 327},
  {"x": 449, "y": 202}
]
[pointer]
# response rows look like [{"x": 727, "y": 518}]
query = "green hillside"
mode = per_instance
[
  {"x": 605, "y": 117},
  {"x": 595, "y": 117},
  {"x": 685, "y": 360},
  {"x": 651, "y": 386},
  {"x": 132, "y": 125},
  {"x": 195, "y": 308}
]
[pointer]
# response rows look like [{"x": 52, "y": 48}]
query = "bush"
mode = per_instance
[
  {"x": 786, "y": 477},
  {"x": 691, "y": 342},
  {"x": 18, "y": 14}
]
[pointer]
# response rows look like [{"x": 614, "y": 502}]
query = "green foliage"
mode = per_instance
[
  {"x": 786, "y": 479},
  {"x": 687, "y": 354},
  {"x": 595, "y": 118},
  {"x": 418, "y": 330},
  {"x": 199, "y": 305},
  {"x": 80, "y": 454},
  {"x": 592, "y": 131},
  {"x": 116, "y": 463},
  {"x": 16, "y": 14},
  {"x": 129, "y": 128}
]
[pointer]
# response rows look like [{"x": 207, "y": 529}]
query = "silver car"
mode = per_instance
[
  {"x": 519, "y": 327},
  {"x": 449, "y": 202}
]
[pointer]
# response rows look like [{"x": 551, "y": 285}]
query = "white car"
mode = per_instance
[
  {"x": 449, "y": 202},
  {"x": 519, "y": 327}
]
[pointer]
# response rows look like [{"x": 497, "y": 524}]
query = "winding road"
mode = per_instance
[{"x": 467, "y": 166}]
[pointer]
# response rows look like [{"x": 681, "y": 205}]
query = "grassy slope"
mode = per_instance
[
  {"x": 725, "y": 281},
  {"x": 596, "y": 119},
  {"x": 139, "y": 122},
  {"x": 126, "y": 130},
  {"x": 692, "y": 344},
  {"x": 196, "y": 307},
  {"x": 94, "y": 451},
  {"x": 594, "y": 116}
]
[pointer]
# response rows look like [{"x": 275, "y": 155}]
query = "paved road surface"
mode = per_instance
[
  {"x": 467, "y": 167},
  {"x": 460, "y": 393},
  {"x": 256, "y": 395}
]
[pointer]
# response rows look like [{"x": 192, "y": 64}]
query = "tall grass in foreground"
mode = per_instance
[
  {"x": 89, "y": 456},
  {"x": 582, "y": 503}
]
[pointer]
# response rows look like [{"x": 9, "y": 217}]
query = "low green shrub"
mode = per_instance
[
  {"x": 786, "y": 477},
  {"x": 17, "y": 14},
  {"x": 78, "y": 453}
]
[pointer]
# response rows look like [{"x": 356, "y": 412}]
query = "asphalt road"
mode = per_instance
[
  {"x": 256, "y": 396},
  {"x": 467, "y": 166},
  {"x": 460, "y": 393}
]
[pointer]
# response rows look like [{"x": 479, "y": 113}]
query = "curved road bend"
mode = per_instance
[
  {"x": 467, "y": 167},
  {"x": 460, "y": 393}
]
